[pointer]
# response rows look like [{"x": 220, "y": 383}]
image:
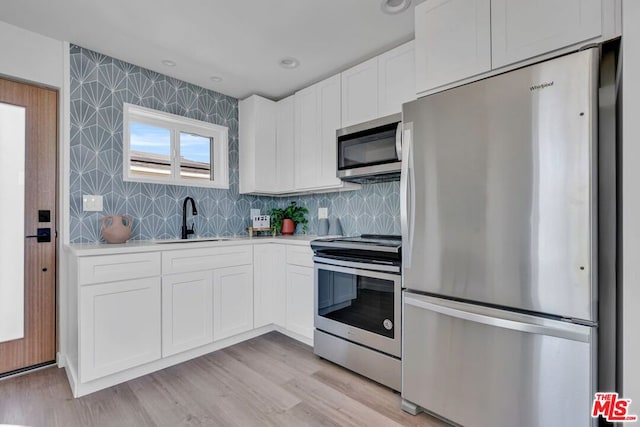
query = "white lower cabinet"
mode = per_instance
[
  {"x": 300, "y": 300},
  {"x": 269, "y": 285},
  {"x": 187, "y": 311},
  {"x": 232, "y": 301},
  {"x": 166, "y": 306},
  {"x": 119, "y": 326}
]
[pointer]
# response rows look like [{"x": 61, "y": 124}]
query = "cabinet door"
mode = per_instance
[
  {"x": 306, "y": 130},
  {"x": 452, "y": 41},
  {"x": 187, "y": 311},
  {"x": 257, "y": 139},
  {"x": 396, "y": 78},
  {"x": 521, "y": 29},
  {"x": 360, "y": 93},
  {"x": 232, "y": 301},
  {"x": 120, "y": 326},
  {"x": 269, "y": 285},
  {"x": 285, "y": 143},
  {"x": 329, "y": 117},
  {"x": 317, "y": 112},
  {"x": 300, "y": 300}
]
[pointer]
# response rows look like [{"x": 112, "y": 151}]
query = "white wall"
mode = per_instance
[
  {"x": 41, "y": 60},
  {"x": 30, "y": 56},
  {"x": 631, "y": 201}
]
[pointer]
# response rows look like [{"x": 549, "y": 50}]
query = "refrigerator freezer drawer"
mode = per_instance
[{"x": 479, "y": 366}]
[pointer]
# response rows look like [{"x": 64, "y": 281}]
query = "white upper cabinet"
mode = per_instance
[
  {"x": 306, "y": 131},
  {"x": 285, "y": 144},
  {"x": 522, "y": 29},
  {"x": 453, "y": 41},
  {"x": 360, "y": 93},
  {"x": 317, "y": 118},
  {"x": 378, "y": 87},
  {"x": 396, "y": 78},
  {"x": 267, "y": 144},
  {"x": 258, "y": 151},
  {"x": 329, "y": 123}
]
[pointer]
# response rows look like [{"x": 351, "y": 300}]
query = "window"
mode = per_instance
[{"x": 169, "y": 149}]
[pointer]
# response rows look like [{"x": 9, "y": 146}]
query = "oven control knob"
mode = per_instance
[{"x": 388, "y": 324}]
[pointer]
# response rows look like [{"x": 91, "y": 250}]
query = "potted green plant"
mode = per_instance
[{"x": 284, "y": 220}]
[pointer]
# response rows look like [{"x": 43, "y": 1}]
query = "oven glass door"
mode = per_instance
[{"x": 360, "y": 305}]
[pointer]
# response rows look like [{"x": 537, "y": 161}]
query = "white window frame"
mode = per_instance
[{"x": 177, "y": 124}]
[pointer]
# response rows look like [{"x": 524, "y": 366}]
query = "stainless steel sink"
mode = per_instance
[{"x": 196, "y": 240}]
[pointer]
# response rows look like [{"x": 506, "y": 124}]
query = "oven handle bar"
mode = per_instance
[
  {"x": 359, "y": 265},
  {"x": 321, "y": 244}
]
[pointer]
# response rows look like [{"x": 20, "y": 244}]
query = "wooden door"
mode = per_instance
[{"x": 37, "y": 342}]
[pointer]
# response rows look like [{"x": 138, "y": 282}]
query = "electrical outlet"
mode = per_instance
[
  {"x": 91, "y": 203},
  {"x": 323, "y": 213}
]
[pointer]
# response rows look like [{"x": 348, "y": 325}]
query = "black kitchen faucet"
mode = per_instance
[{"x": 185, "y": 230}]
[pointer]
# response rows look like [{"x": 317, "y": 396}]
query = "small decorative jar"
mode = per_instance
[{"x": 116, "y": 228}]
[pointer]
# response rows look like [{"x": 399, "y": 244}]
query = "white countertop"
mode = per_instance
[{"x": 88, "y": 249}]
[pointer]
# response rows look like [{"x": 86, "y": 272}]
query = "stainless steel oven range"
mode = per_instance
[{"x": 357, "y": 315}]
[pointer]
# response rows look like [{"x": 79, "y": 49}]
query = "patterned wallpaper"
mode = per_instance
[{"x": 99, "y": 87}]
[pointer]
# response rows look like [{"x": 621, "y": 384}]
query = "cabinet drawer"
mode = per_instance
[
  {"x": 187, "y": 260},
  {"x": 111, "y": 268},
  {"x": 300, "y": 255}
]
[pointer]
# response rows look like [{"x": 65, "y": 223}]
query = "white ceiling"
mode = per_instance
[{"x": 241, "y": 41}]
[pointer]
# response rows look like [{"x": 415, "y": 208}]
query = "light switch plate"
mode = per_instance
[
  {"x": 255, "y": 212},
  {"x": 91, "y": 203},
  {"x": 323, "y": 213}
]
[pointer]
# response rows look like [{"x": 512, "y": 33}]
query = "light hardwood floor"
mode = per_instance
[{"x": 271, "y": 380}]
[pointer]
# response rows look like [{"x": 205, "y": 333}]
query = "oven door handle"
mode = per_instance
[{"x": 356, "y": 265}]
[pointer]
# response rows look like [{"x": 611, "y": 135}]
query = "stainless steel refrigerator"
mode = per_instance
[{"x": 499, "y": 224}]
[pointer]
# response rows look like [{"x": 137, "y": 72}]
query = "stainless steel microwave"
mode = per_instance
[{"x": 370, "y": 151}]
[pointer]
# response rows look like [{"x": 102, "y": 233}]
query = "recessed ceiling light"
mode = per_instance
[
  {"x": 392, "y": 7},
  {"x": 168, "y": 63},
  {"x": 289, "y": 63},
  {"x": 215, "y": 79}
]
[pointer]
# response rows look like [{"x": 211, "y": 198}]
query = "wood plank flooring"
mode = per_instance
[{"x": 271, "y": 380}]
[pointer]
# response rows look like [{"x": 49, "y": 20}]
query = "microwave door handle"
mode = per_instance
[{"x": 399, "y": 141}]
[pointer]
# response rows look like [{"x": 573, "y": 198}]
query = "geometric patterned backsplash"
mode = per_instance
[{"x": 99, "y": 87}]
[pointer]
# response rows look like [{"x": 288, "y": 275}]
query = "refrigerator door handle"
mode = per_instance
[
  {"x": 406, "y": 200},
  {"x": 566, "y": 331}
]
